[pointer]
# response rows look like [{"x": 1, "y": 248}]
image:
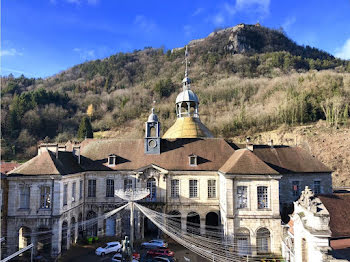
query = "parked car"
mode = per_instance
[
  {"x": 118, "y": 258},
  {"x": 108, "y": 248},
  {"x": 164, "y": 259},
  {"x": 160, "y": 252},
  {"x": 155, "y": 243}
]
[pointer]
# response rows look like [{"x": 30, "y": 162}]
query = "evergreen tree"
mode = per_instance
[{"x": 85, "y": 129}]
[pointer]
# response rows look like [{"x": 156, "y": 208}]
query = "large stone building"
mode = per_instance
[{"x": 206, "y": 181}]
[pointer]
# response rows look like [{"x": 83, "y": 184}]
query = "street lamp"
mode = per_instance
[{"x": 132, "y": 195}]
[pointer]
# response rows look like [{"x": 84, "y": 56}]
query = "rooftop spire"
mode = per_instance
[
  {"x": 186, "y": 81},
  {"x": 186, "y": 61}
]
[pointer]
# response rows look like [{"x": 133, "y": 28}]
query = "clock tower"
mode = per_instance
[{"x": 152, "y": 136}]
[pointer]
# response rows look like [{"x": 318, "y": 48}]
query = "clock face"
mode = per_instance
[{"x": 152, "y": 143}]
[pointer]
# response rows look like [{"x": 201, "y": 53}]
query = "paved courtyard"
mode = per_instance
[{"x": 86, "y": 253}]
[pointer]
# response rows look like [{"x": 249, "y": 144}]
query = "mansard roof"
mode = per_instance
[
  {"x": 338, "y": 206},
  {"x": 211, "y": 154},
  {"x": 47, "y": 164},
  {"x": 243, "y": 161}
]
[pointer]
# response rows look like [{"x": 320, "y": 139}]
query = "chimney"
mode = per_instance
[
  {"x": 76, "y": 152},
  {"x": 249, "y": 145},
  {"x": 48, "y": 147},
  {"x": 271, "y": 143}
]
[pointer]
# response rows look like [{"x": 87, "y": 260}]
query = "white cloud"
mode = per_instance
[
  {"x": 10, "y": 52},
  {"x": 92, "y": 2},
  {"x": 77, "y": 2},
  {"x": 260, "y": 8},
  {"x": 188, "y": 30},
  {"x": 85, "y": 54},
  {"x": 288, "y": 23},
  {"x": 198, "y": 11},
  {"x": 344, "y": 51},
  {"x": 11, "y": 70},
  {"x": 218, "y": 19},
  {"x": 144, "y": 23}
]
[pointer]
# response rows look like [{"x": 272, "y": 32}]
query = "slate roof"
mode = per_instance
[
  {"x": 243, "y": 161},
  {"x": 338, "y": 206},
  {"x": 213, "y": 154},
  {"x": 287, "y": 159}
]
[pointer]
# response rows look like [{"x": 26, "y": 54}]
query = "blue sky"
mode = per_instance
[{"x": 42, "y": 38}]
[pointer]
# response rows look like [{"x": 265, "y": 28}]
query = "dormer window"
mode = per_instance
[
  {"x": 112, "y": 160},
  {"x": 193, "y": 160}
]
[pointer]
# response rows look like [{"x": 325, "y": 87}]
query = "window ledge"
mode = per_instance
[{"x": 264, "y": 209}]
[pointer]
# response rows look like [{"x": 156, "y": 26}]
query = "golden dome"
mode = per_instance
[{"x": 187, "y": 127}]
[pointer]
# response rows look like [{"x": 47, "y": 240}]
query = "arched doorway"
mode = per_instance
[
  {"x": 212, "y": 225},
  {"x": 64, "y": 240},
  {"x": 110, "y": 226},
  {"x": 242, "y": 241},
  {"x": 91, "y": 227},
  {"x": 44, "y": 241},
  {"x": 174, "y": 220},
  {"x": 263, "y": 240},
  {"x": 193, "y": 223},
  {"x": 152, "y": 187},
  {"x": 72, "y": 230},
  {"x": 80, "y": 226},
  {"x": 150, "y": 229},
  {"x": 24, "y": 237}
]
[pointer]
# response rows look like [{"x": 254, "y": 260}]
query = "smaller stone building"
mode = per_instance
[{"x": 319, "y": 229}]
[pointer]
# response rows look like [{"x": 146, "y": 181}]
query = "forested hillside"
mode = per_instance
[{"x": 248, "y": 78}]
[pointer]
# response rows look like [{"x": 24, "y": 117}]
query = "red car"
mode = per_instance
[{"x": 160, "y": 252}]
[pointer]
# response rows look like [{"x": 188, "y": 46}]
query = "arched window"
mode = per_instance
[
  {"x": 242, "y": 239},
  {"x": 24, "y": 238},
  {"x": 263, "y": 240},
  {"x": 193, "y": 223}
]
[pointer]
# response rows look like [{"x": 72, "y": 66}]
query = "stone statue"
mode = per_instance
[{"x": 126, "y": 250}]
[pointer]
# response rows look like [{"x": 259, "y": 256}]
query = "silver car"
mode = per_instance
[{"x": 155, "y": 243}]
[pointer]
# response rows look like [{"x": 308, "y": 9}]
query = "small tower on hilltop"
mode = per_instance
[{"x": 152, "y": 134}]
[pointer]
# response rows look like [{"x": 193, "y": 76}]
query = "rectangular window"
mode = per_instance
[
  {"x": 211, "y": 188},
  {"x": 127, "y": 184},
  {"x": 296, "y": 188},
  {"x": 109, "y": 188},
  {"x": 92, "y": 188},
  {"x": 74, "y": 187},
  {"x": 65, "y": 192},
  {"x": 242, "y": 197},
  {"x": 193, "y": 160},
  {"x": 317, "y": 187},
  {"x": 81, "y": 189},
  {"x": 193, "y": 188},
  {"x": 175, "y": 189},
  {"x": 24, "y": 197},
  {"x": 263, "y": 201},
  {"x": 45, "y": 197}
]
